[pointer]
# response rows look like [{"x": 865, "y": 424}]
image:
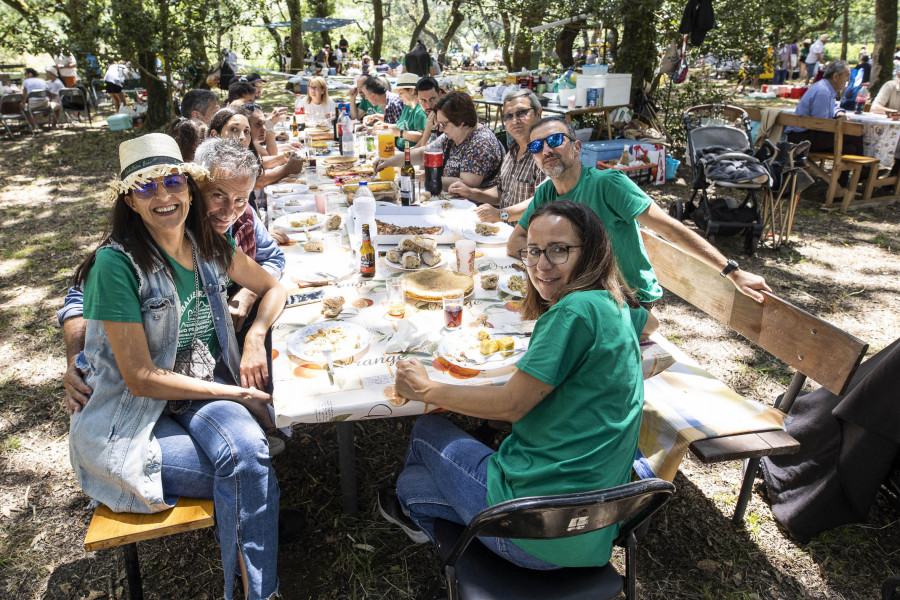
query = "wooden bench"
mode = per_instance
[
  {"x": 814, "y": 348},
  {"x": 109, "y": 529},
  {"x": 839, "y": 161}
]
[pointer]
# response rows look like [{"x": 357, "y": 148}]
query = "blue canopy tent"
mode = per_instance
[{"x": 314, "y": 24}]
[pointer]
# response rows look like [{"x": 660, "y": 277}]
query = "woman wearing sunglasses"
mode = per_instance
[
  {"x": 575, "y": 401},
  {"x": 176, "y": 409}
]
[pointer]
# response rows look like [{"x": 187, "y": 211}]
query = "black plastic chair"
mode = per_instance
[
  {"x": 13, "y": 111},
  {"x": 75, "y": 100},
  {"x": 45, "y": 108},
  {"x": 472, "y": 571}
]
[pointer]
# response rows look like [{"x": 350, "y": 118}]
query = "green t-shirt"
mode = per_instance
[
  {"x": 618, "y": 201},
  {"x": 412, "y": 117},
  {"x": 112, "y": 293},
  {"x": 583, "y": 436},
  {"x": 368, "y": 108}
]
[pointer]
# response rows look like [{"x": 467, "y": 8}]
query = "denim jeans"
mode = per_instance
[
  {"x": 217, "y": 450},
  {"x": 444, "y": 476}
]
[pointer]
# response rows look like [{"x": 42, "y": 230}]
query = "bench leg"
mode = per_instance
[
  {"x": 347, "y": 460},
  {"x": 133, "y": 572},
  {"x": 746, "y": 489}
]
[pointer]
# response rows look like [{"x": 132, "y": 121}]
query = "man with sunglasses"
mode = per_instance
[
  {"x": 519, "y": 174},
  {"x": 622, "y": 207}
]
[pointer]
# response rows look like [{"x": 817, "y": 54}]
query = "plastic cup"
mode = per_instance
[
  {"x": 332, "y": 244},
  {"x": 321, "y": 203},
  {"x": 571, "y": 102},
  {"x": 396, "y": 299},
  {"x": 465, "y": 256}
]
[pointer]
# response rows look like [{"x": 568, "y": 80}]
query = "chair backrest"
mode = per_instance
[
  {"x": 568, "y": 515},
  {"x": 76, "y": 97},
  {"x": 717, "y": 135},
  {"x": 11, "y": 104},
  {"x": 38, "y": 94}
]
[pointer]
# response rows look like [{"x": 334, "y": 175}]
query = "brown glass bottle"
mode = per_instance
[{"x": 366, "y": 254}]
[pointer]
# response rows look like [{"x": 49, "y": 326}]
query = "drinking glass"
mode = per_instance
[
  {"x": 332, "y": 244},
  {"x": 311, "y": 177},
  {"x": 453, "y": 309},
  {"x": 465, "y": 256},
  {"x": 396, "y": 299}
]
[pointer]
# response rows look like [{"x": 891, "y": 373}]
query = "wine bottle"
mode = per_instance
[{"x": 407, "y": 181}]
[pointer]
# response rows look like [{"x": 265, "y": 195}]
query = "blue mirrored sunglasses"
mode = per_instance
[
  {"x": 174, "y": 184},
  {"x": 554, "y": 140}
]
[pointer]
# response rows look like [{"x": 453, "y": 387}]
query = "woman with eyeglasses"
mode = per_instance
[
  {"x": 176, "y": 409},
  {"x": 317, "y": 104},
  {"x": 575, "y": 401}
]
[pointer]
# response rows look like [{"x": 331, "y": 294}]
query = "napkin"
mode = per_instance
[{"x": 407, "y": 337}]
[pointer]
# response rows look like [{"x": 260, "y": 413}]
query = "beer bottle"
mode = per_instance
[
  {"x": 295, "y": 132},
  {"x": 366, "y": 254},
  {"x": 407, "y": 181}
]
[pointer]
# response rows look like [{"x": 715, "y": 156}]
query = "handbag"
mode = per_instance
[{"x": 195, "y": 360}]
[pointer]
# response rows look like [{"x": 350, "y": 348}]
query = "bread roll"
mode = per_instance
[
  {"x": 489, "y": 281},
  {"x": 425, "y": 243},
  {"x": 408, "y": 244},
  {"x": 332, "y": 307},
  {"x": 333, "y": 223},
  {"x": 410, "y": 260},
  {"x": 394, "y": 256},
  {"x": 313, "y": 247},
  {"x": 431, "y": 258}
]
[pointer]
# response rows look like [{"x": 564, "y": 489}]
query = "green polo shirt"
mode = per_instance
[{"x": 411, "y": 118}]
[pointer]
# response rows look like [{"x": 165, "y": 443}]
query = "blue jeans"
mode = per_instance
[
  {"x": 217, "y": 450},
  {"x": 444, "y": 476}
]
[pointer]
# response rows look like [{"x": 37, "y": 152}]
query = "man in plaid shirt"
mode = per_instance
[{"x": 519, "y": 174}]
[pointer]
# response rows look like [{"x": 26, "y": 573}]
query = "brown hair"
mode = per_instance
[
  {"x": 189, "y": 134},
  {"x": 459, "y": 109},
  {"x": 596, "y": 268}
]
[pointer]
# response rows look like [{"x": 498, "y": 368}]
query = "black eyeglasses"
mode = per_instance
[
  {"x": 554, "y": 140},
  {"x": 252, "y": 106},
  {"x": 518, "y": 115},
  {"x": 557, "y": 254},
  {"x": 174, "y": 184}
]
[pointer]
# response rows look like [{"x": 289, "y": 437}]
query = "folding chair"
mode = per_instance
[
  {"x": 74, "y": 100},
  {"x": 470, "y": 570},
  {"x": 12, "y": 110},
  {"x": 40, "y": 110},
  {"x": 98, "y": 92}
]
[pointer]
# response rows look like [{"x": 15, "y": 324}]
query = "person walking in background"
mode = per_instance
[
  {"x": 804, "y": 54},
  {"x": 816, "y": 56},
  {"x": 66, "y": 67}
]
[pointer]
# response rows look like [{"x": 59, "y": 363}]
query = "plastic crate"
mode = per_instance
[
  {"x": 641, "y": 174},
  {"x": 591, "y": 152}
]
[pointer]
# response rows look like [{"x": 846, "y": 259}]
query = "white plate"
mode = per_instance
[
  {"x": 285, "y": 189},
  {"x": 314, "y": 263},
  {"x": 455, "y": 204},
  {"x": 465, "y": 340},
  {"x": 503, "y": 286},
  {"x": 284, "y": 222},
  {"x": 423, "y": 266},
  {"x": 355, "y": 343},
  {"x": 501, "y": 238},
  {"x": 292, "y": 203}
]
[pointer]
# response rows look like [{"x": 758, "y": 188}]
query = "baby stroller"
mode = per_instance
[{"x": 731, "y": 182}]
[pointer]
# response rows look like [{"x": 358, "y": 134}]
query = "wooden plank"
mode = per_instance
[
  {"x": 109, "y": 529},
  {"x": 816, "y": 123},
  {"x": 747, "y": 445},
  {"x": 817, "y": 349}
]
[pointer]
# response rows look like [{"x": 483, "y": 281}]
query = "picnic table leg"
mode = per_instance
[
  {"x": 746, "y": 489},
  {"x": 133, "y": 572},
  {"x": 347, "y": 462}
]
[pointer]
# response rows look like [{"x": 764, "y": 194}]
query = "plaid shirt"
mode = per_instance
[
  {"x": 519, "y": 176},
  {"x": 392, "y": 108}
]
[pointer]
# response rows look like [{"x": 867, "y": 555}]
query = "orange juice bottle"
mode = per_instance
[{"x": 386, "y": 150}]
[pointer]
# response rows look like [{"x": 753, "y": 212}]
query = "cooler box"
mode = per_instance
[
  {"x": 617, "y": 90},
  {"x": 797, "y": 92},
  {"x": 119, "y": 122},
  {"x": 591, "y": 152}
]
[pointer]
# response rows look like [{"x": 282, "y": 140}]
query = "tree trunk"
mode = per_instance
[
  {"x": 507, "y": 39},
  {"x": 157, "y": 112},
  {"x": 196, "y": 42},
  {"x": 273, "y": 31},
  {"x": 844, "y": 27},
  {"x": 454, "y": 24},
  {"x": 885, "y": 39},
  {"x": 564, "y": 43},
  {"x": 639, "y": 34},
  {"x": 521, "y": 55},
  {"x": 297, "y": 50},
  {"x": 420, "y": 26},
  {"x": 377, "y": 30}
]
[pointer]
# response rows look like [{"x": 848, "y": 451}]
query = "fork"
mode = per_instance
[
  {"x": 326, "y": 354},
  {"x": 480, "y": 360}
]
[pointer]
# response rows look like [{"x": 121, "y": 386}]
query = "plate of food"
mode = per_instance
[
  {"x": 339, "y": 160},
  {"x": 345, "y": 340},
  {"x": 387, "y": 228},
  {"x": 452, "y": 204},
  {"x": 286, "y": 189},
  {"x": 300, "y": 221},
  {"x": 295, "y": 203},
  {"x": 479, "y": 349},
  {"x": 488, "y": 233},
  {"x": 514, "y": 285},
  {"x": 415, "y": 253}
]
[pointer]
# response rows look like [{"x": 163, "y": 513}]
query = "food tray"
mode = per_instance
[{"x": 641, "y": 174}]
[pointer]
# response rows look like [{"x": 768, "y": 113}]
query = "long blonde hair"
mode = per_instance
[{"x": 319, "y": 81}]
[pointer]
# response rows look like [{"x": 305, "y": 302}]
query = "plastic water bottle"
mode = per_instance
[
  {"x": 364, "y": 212},
  {"x": 862, "y": 96},
  {"x": 347, "y": 136}
]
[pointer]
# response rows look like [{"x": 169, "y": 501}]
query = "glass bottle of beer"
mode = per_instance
[
  {"x": 295, "y": 132},
  {"x": 407, "y": 181},
  {"x": 366, "y": 254}
]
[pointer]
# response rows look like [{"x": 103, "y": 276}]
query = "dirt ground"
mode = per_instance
[{"x": 842, "y": 268}]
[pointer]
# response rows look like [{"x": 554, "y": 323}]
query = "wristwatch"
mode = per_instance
[
  {"x": 731, "y": 266},
  {"x": 504, "y": 216}
]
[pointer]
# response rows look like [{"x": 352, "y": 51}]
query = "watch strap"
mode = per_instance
[{"x": 731, "y": 266}]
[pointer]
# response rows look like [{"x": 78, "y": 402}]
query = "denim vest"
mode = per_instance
[{"x": 115, "y": 456}]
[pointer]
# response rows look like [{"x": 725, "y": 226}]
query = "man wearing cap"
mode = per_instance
[
  {"x": 816, "y": 55},
  {"x": 257, "y": 81},
  {"x": 408, "y": 128},
  {"x": 519, "y": 174}
]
